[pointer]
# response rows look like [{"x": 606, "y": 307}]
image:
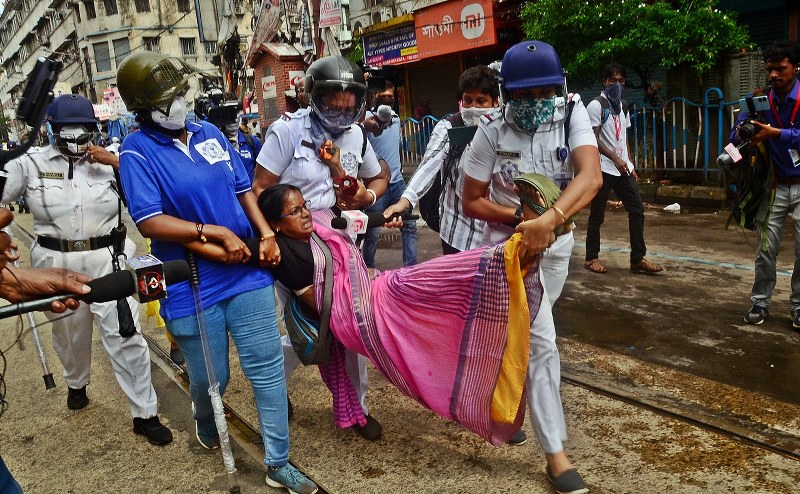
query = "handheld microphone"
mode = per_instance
[
  {"x": 373, "y": 220},
  {"x": 113, "y": 286},
  {"x": 731, "y": 154},
  {"x": 384, "y": 115}
]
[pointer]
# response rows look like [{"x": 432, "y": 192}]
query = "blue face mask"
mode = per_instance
[{"x": 530, "y": 113}]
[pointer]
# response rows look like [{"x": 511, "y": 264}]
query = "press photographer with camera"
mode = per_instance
[{"x": 778, "y": 128}]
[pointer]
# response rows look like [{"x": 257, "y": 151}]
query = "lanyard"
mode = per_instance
[
  {"x": 617, "y": 127},
  {"x": 775, "y": 111}
]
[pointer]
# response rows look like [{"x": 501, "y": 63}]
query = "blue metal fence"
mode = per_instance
[{"x": 679, "y": 136}]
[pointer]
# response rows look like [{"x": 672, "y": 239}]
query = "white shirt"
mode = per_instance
[
  {"x": 499, "y": 153},
  {"x": 77, "y": 209},
  {"x": 455, "y": 228},
  {"x": 613, "y": 133},
  {"x": 289, "y": 152}
]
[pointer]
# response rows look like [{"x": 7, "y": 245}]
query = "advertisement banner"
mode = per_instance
[
  {"x": 391, "y": 47},
  {"x": 454, "y": 26},
  {"x": 330, "y": 13},
  {"x": 269, "y": 87}
]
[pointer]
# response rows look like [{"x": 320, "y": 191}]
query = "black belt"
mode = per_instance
[
  {"x": 74, "y": 245},
  {"x": 789, "y": 180}
]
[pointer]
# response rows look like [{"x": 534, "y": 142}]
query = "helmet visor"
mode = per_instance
[
  {"x": 171, "y": 77},
  {"x": 338, "y": 104}
]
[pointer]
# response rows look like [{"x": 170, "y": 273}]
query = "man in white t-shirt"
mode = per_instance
[{"x": 610, "y": 121}]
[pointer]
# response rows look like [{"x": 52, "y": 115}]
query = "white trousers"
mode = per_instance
[
  {"x": 355, "y": 364},
  {"x": 72, "y": 335},
  {"x": 544, "y": 365}
]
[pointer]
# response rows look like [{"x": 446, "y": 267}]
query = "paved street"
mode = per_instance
[{"x": 674, "y": 342}]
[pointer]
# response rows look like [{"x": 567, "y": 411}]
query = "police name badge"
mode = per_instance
[
  {"x": 212, "y": 151},
  {"x": 54, "y": 175}
]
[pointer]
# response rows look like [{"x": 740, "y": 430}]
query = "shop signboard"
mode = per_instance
[
  {"x": 391, "y": 47},
  {"x": 454, "y": 26}
]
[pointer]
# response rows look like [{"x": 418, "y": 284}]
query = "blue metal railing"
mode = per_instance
[{"x": 677, "y": 136}]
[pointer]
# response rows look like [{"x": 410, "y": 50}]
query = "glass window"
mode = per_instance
[
  {"x": 184, "y": 6},
  {"x": 142, "y": 5},
  {"x": 110, "y": 6},
  {"x": 152, "y": 44},
  {"x": 91, "y": 13},
  {"x": 188, "y": 47},
  {"x": 210, "y": 47},
  {"x": 102, "y": 58},
  {"x": 122, "y": 47}
]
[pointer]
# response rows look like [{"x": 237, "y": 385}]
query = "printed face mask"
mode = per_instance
[
  {"x": 232, "y": 130},
  {"x": 472, "y": 116},
  {"x": 74, "y": 140},
  {"x": 177, "y": 115},
  {"x": 530, "y": 113}
]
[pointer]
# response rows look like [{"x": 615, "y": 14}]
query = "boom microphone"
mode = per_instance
[{"x": 113, "y": 286}]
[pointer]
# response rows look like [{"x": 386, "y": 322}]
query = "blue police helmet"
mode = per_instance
[
  {"x": 71, "y": 109},
  {"x": 531, "y": 64}
]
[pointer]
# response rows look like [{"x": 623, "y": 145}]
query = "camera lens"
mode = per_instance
[{"x": 747, "y": 130}]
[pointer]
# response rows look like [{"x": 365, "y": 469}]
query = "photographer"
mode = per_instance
[{"x": 779, "y": 130}]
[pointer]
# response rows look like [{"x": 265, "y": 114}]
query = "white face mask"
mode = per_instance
[
  {"x": 75, "y": 140},
  {"x": 177, "y": 115},
  {"x": 472, "y": 116}
]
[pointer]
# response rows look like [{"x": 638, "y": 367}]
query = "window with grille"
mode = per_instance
[
  {"x": 152, "y": 44},
  {"x": 210, "y": 47},
  {"x": 91, "y": 13},
  {"x": 122, "y": 47},
  {"x": 102, "y": 58},
  {"x": 110, "y": 6},
  {"x": 188, "y": 47},
  {"x": 184, "y": 6},
  {"x": 142, "y": 5}
]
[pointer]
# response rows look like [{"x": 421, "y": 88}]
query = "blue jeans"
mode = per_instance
[
  {"x": 250, "y": 318},
  {"x": 408, "y": 232},
  {"x": 770, "y": 223}
]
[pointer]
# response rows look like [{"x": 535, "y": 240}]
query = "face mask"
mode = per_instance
[
  {"x": 74, "y": 140},
  {"x": 177, "y": 115},
  {"x": 232, "y": 130},
  {"x": 530, "y": 113},
  {"x": 472, "y": 116},
  {"x": 614, "y": 94}
]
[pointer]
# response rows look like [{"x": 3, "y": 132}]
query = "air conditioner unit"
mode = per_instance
[{"x": 386, "y": 14}]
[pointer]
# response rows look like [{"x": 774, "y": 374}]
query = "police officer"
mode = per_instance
[
  {"x": 530, "y": 134},
  {"x": 75, "y": 210},
  {"x": 247, "y": 145},
  {"x": 336, "y": 91}
]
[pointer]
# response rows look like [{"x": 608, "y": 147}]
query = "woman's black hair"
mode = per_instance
[{"x": 272, "y": 199}]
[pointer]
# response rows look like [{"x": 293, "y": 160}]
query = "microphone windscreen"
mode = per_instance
[
  {"x": 384, "y": 113},
  {"x": 339, "y": 223},
  {"x": 374, "y": 220},
  {"x": 113, "y": 286},
  {"x": 176, "y": 271}
]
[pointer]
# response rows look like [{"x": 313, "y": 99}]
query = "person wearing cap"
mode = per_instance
[
  {"x": 75, "y": 209},
  {"x": 187, "y": 188},
  {"x": 542, "y": 129},
  {"x": 336, "y": 89}
]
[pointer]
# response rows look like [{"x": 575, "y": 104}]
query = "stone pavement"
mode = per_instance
[{"x": 618, "y": 447}]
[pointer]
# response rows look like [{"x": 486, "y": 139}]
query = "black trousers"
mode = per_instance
[{"x": 627, "y": 191}]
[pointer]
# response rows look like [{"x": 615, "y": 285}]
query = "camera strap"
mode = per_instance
[{"x": 775, "y": 110}]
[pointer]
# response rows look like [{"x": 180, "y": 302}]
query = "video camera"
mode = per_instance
[{"x": 752, "y": 105}]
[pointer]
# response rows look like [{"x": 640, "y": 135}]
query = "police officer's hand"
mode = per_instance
[
  {"x": 395, "y": 211},
  {"x": 99, "y": 154},
  {"x": 329, "y": 154},
  {"x": 360, "y": 200}
]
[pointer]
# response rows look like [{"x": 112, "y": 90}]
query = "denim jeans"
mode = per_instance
[
  {"x": 770, "y": 223},
  {"x": 250, "y": 319},
  {"x": 408, "y": 232},
  {"x": 627, "y": 191}
]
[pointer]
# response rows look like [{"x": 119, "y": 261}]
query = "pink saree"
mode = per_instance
[{"x": 452, "y": 332}]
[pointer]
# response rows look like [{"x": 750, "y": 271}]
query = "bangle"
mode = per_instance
[
  {"x": 267, "y": 236},
  {"x": 374, "y": 196},
  {"x": 559, "y": 211},
  {"x": 200, "y": 235}
]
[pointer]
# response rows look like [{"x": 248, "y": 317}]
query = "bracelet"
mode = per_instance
[
  {"x": 374, "y": 196},
  {"x": 559, "y": 211},
  {"x": 267, "y": 236},
  {"x": 200, "y": 235}
]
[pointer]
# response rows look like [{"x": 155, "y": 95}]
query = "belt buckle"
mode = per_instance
[{"x": 79, "y": 245}]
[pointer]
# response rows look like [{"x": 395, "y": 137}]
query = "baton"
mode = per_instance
[{"x": 213, "y": 383}]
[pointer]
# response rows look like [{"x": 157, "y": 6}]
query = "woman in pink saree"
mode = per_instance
[{"x": 452, "y": 332}]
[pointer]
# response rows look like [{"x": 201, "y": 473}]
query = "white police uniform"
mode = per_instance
[
  {"x": 290, "y": 153},
  {"x": 497, "y": 155},
  {"x": 73, "y": 217}
]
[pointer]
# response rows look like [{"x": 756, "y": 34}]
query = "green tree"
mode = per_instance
[{"x": 640, "y": 34}]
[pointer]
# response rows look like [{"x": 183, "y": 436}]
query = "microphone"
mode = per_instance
[
  {"x": 113, "y": 286},
  {"x": 384, "y": 115},
  {"x": 731, "y": 154},
  {"x": 373, "y": 220}
]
